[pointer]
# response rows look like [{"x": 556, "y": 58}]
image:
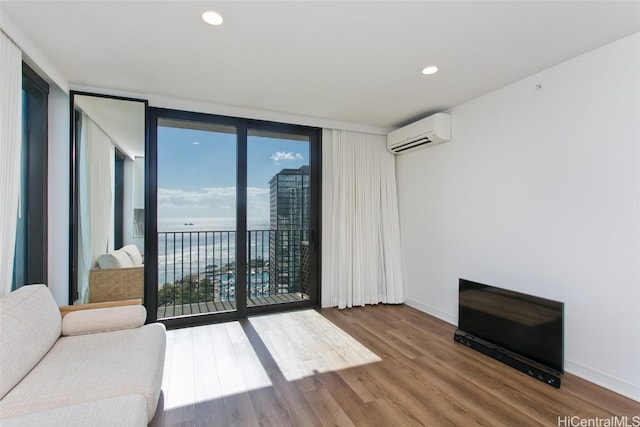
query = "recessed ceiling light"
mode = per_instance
[
  {"x": 212, "y": 18},
  {"x": 431, "y": 69}
]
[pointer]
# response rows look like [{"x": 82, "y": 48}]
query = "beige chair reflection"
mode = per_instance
[{"x": 119, "y": 276}]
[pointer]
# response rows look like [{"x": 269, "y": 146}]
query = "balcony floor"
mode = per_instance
[{"x": 169, "y": 311}]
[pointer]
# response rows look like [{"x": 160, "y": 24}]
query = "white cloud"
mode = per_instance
[
  {"x": 210, "y": 202},
  {"x": 183, "y": 203},
  {"x": 281, "y": 155},
  {"x": 257, "y": 192}
]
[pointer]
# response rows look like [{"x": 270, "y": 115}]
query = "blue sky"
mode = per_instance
[{"x": 197, "y": 174}]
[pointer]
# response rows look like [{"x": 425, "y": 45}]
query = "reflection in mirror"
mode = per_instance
[{"x": 108, "y": 211}]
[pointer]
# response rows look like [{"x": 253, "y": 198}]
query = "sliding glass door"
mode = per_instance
[
  {"x": 278, "y": 213},
  {"x": 196, "y": 217},
  {"x": 234, "y": 214}
]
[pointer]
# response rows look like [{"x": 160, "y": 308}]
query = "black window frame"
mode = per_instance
[
  {"x": 31, "y": 254},
  {"x": 243, "y": 127}
]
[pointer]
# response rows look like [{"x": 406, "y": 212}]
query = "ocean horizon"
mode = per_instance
[{"x": 208, "y": 224}]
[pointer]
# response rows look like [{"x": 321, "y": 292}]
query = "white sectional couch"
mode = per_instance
[{"x": 96, "y": 367}]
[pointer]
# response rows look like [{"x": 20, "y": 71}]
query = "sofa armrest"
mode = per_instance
[
  {"x": 93, "y": 320},
  {"x": 66, "y": 309}
]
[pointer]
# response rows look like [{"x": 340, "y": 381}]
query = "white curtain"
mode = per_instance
[
  {"x": 95, "y": 194},
  {"x": 365, "y": 257},
  {"x": 10, "y": 153}
]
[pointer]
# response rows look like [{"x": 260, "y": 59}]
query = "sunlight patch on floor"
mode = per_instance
[
  {"x": 304, "y": 343},
  {"x": 214, "y": 361}
]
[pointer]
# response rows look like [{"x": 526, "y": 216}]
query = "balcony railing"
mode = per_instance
[{"x": 197, "y": 269}]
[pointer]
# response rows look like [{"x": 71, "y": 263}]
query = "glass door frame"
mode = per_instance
[{"x": 151, "y": 214}]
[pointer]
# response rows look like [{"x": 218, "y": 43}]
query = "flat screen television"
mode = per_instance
[{"x": 528, "y": 326}]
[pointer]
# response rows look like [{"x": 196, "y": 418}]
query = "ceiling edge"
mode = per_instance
[
  {"x": 235, "y": 111},
  {"x": 31, "y": 54}
]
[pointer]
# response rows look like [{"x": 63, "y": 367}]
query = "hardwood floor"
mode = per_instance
[{"x": 373, "y": 366}]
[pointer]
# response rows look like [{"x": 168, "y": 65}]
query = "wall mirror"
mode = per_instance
[{"x": 108, "y": 187}]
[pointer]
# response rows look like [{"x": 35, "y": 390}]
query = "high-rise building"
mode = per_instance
[{"x": 289, "y": 227}]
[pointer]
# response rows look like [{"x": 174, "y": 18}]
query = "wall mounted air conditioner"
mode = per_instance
[{"x": 423, "y": 133}]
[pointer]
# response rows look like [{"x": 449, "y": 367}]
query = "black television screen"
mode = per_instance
[{"x": 526, "y": 325}]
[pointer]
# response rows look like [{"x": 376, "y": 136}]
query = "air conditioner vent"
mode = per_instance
[
  {"x": 411, "y": 144},
  {"x": 426, "y": 132}
]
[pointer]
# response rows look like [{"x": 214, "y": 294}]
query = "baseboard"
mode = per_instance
[
  {"x": 607, "y": 381},
  {"x": 432, "y": 311}
]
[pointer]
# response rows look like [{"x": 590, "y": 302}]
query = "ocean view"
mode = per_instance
[{"x": 193, "y": 246}]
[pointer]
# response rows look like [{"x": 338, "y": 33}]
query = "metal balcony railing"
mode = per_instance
[{"x": 199, "y": 267}]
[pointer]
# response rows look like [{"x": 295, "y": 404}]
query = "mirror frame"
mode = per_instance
[{"x": 73, "y": 186}]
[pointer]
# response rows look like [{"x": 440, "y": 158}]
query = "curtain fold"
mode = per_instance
[
  {"x": 95, "y": 194},
  {"x": 365, "y": 258},
  {"x": 10, "y": 154}
]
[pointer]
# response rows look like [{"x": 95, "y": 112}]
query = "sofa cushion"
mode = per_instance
[
  {"x": 116, "y": 259},
  {"x": 121, "y": 411},
  {"x": 134, "y": 254},
  {"x": 29, "y": 326},
  {"x": 103, "y": 319},
  {"x": 89, "y": 367}
]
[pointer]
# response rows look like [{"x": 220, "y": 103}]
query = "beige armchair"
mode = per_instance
[
  {"x": 116, "y": 284},
  {"x": 120, "y": 276}
]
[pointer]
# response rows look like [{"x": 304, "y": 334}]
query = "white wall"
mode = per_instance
[
  {"x": 539, "y": 191},
  {"x": 58, "y": 195}
]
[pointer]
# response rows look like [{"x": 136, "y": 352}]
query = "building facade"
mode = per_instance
[{"x": 289, "y": 229}]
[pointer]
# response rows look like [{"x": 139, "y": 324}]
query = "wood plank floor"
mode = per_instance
[{"x": 373, "y": 366}]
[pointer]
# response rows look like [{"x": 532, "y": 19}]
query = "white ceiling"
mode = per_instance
[
  {"x": 121, "y": 120},
  {"x": 358, "y": 62}
]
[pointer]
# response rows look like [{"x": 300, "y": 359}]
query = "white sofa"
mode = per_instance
[{"x": 95, "y": 367}]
